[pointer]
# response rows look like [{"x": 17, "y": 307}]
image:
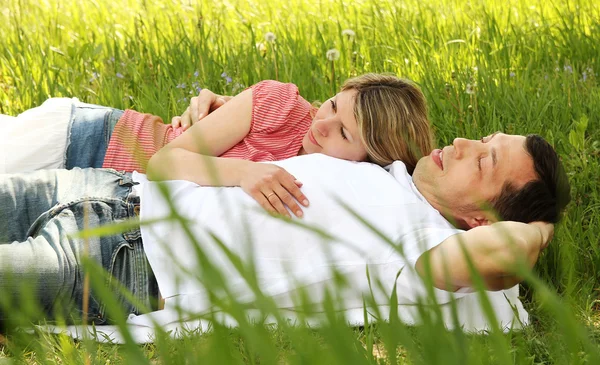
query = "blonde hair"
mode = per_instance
[{"x": 391, "y": 114}]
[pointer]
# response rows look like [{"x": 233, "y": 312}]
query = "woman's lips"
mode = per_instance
[
  {"x": 312, "y": 138},
  {"x": 436, "y": 156}
]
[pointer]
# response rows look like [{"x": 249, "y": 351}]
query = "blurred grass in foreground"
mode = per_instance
[{"x": 515, "y": 66}]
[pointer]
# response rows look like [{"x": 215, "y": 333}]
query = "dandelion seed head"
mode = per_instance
[
  {"x": 333, "y": 54},
  {"x": 270, "y": 37},
  {"x": 348, "y": 33},
  {"x": 261, "y": 48},
  {"x": 470, "y": 88}
]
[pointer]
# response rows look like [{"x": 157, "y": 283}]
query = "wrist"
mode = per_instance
[{"x": 242, "y": 169}]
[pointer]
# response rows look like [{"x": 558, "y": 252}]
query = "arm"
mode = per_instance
[
  {"x": 200, "y": 106},
  {"x": 191, "y": 157},
  {"x": 494, "y": 250}
]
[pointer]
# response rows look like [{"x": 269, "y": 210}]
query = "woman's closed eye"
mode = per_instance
[
  {"x": 333, "y": 105},
  {"x": 343, "y": 133}
]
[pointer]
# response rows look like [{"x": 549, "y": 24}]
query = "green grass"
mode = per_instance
[{"x": 516, "y": 66}]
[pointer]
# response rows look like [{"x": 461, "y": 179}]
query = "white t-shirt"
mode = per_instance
[{"x": 287, "y": 256}]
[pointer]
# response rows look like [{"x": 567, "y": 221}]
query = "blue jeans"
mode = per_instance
[
  {"x": 40, "y": 211},
  {"x": 91, "y": 129}
]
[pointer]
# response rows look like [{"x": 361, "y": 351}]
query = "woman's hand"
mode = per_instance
[
  {"x": 200, "y": 106},
  {"x": 273, "y": 188}
]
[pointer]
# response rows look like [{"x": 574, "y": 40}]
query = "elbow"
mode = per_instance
[{"x": 155, "y": 170}]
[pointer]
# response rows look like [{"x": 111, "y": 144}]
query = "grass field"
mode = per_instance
[{"x": 516, "y": 66}]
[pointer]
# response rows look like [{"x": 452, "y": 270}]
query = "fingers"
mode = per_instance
[
  {"x": 194, "y": 103},
  {"x": 183, "y": 121},
  {"x": 286, "y": 192},
  {"x": 275, "y": 189},
  {"x": 176, "y": 122},
  {"x": 264, "y": 202},
  {"x": 276, "y": 202},
  {"x": 200, "y": 107},
  {"x": 203, "y": 103},
  {"x": 291, "y": 195}
]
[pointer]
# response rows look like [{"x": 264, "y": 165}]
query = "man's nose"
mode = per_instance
[{"x": 460, "y": 146}]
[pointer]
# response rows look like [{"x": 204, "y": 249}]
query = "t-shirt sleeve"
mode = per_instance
[
  {"x": 426, "y": 239},
  {"x": 272, "y": 103}
]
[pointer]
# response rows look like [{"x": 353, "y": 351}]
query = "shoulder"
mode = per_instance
[
  {"x": 274, "y": 88},
  {"x": 274, "y": 104}
]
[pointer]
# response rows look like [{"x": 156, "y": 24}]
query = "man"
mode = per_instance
[{"x": 520, "y": 178}]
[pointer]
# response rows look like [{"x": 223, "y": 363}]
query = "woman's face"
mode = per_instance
[{"x": 334, "y": 131}]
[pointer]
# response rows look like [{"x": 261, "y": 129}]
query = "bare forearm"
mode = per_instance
[
  {"x": 181, "y": 164},
  {"x": 494, "y": 252}
]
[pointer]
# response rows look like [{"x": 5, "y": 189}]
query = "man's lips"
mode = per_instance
[
  {"x": 312, "y": 138},
  {"x": 436, "y": 156}
]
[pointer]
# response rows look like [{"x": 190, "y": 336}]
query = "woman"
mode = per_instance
[{"x": 377, "y": 118}]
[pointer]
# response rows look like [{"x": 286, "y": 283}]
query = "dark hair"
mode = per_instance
[{"x": 542, "y": 199}]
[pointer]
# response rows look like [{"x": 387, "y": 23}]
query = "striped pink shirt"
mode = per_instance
[{"x": 280, "y": 119}]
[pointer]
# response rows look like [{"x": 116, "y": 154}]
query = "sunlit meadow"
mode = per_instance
[{"x": 516, "y": 66}]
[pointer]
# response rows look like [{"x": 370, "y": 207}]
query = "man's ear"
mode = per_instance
[{"x": 477, "y": 220}]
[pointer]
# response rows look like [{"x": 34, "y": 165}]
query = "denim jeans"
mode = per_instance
[
  {"x": 40, "y": 211},
  {"x": 91, "y": 129}
]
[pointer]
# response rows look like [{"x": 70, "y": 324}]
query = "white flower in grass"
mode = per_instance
[
  {"x": 348, "y": 33},
  {"x": 333, "y": 54},
  {"x": 470, "y": 89},
  {"x": 270, "y": 37}
]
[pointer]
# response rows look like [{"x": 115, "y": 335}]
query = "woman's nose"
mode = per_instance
[{"x": 322, "y": 126}]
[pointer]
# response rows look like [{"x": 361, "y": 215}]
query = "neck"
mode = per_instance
[{"x": 445, "y": 211}]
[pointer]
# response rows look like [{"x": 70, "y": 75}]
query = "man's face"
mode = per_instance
[{"x": 460, "y": 180}]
